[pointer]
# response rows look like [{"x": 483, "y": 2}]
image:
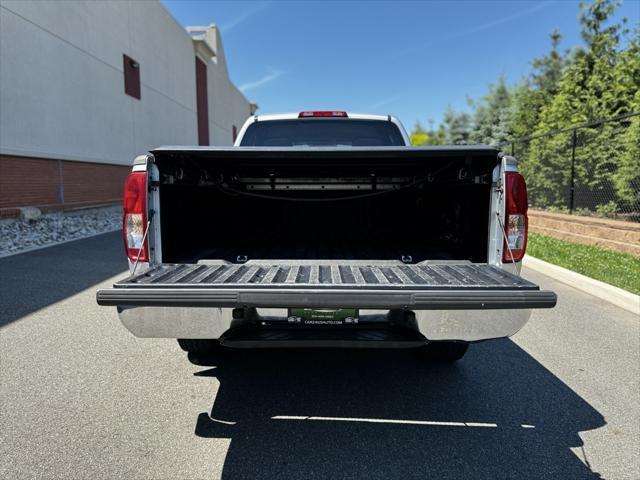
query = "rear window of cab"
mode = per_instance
[{"x": 322, "y": 132}]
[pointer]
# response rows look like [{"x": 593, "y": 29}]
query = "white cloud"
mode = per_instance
[
  {"x": 384, "y": 102},
  {"x": 270, "y": 77},
  {"x": 476, "y": 29},
  {"x": 244, "y": 16}
]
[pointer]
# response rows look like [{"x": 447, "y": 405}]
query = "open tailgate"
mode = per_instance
[{"x": 329, "y": 284}]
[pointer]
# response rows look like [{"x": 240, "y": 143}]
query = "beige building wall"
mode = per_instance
[{"x": 62, "y": 85}]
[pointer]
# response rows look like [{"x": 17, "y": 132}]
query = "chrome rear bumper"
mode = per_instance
[{"x": 207, "y": 322}]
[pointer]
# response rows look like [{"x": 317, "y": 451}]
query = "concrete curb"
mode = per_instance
[
  {"x": 615, "y": 295},
  {"x": 40, "y": 247}
]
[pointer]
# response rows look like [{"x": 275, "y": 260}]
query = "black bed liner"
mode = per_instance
[{"x": 329, "y": 284}]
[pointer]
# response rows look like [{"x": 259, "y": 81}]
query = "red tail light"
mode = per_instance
[
  {"x": 322, "y": 113},
  {"x": 134, "y": 220},
  {"x": 515, "y": 221}
]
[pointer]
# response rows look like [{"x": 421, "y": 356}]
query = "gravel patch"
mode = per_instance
[{"x": 18, "y": 235}]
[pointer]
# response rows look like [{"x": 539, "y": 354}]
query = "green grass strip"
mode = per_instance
[{"x": 614, "y": 268}]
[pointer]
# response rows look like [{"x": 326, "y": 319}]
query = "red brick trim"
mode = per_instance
[{"x": 57, "y": 184}]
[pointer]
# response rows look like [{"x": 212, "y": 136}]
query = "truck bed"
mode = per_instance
[{"x": 328, "y": 284}]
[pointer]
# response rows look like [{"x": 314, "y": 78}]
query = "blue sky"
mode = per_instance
[{"x": 410, "y": 59}]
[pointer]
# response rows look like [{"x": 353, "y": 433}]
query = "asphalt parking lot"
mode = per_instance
[{"x": 83, "y": 398}]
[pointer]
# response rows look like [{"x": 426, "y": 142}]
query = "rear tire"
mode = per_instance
[
  {"x": 447, "y": 352},
  {"x": 199, "y": 345}
]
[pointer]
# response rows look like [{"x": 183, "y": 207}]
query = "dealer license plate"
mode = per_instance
[{"x": 324, "y": 316}]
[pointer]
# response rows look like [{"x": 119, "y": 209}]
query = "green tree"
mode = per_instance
[
  {"x": 598, "y": 84},
  {"x": 419, "y": 136},
  {"x": 529, "y": 99},
  {"x": 548, "y": 69},
  {"x": 537, "y": 90},
  {"x": 456, "y": 127},
  {"x": 626, "y": 177},
  {"x": 492, "y": 117}
]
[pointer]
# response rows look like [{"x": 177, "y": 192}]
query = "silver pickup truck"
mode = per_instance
[{"x": 325, "y": 228}]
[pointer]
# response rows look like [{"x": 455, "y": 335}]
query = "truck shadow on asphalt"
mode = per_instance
[
  {"x": 389, "y": 414},
  {"x": 34, "y": 280}
]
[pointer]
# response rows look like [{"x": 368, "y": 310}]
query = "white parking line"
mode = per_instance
[{"x": 392, "y": 421}]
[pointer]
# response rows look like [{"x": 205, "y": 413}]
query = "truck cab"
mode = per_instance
[{"x": 322, "y": 128}]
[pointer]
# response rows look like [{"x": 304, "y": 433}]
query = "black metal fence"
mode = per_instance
[{"x": 588, "y": 169}]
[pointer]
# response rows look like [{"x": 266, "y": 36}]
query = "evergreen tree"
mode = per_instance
[
  {"x": 548, "y": 69},
  {"x": 456, "y": 127},
  {"x": 626, "y": 177},
  {"x": 595, "y": 86},
  {"x": 537, "y": 90},
  {"x": 492, "y": 117}
]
